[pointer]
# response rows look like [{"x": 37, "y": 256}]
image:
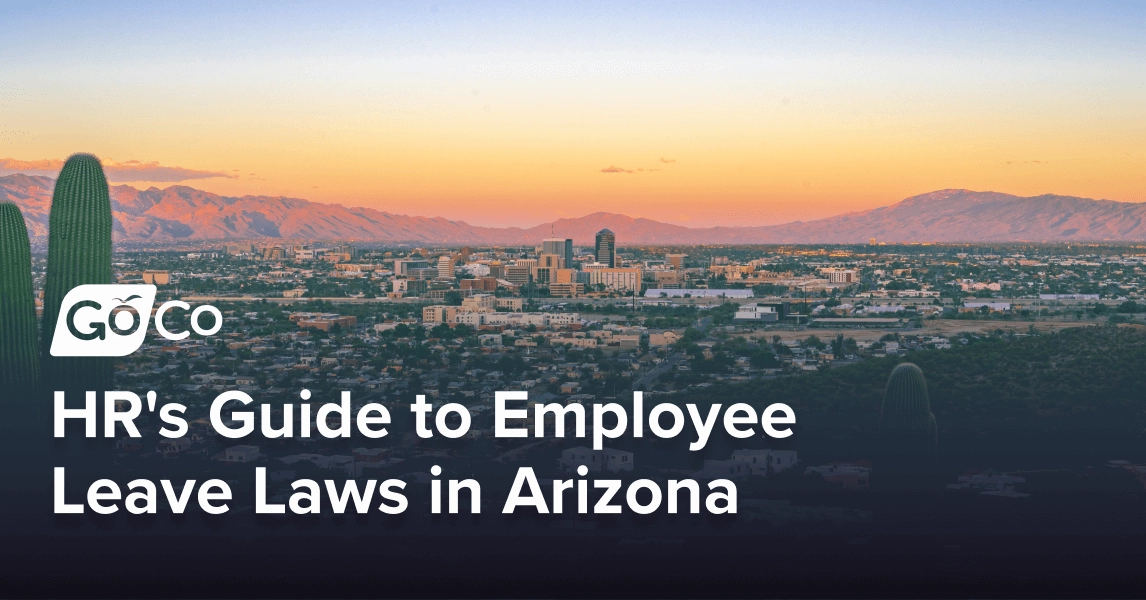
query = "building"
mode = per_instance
[
  {"x": 440, "y": 314},
  {"x": 723, "y": 469},
  {"x": 781, "y": 460},
  {"x": 665, "y": 280},
  {"x": 242, "y": 454},
  {"x": 496, "y": 269},
  {"x": 409, "y": 287},
  {"x": 446, "y": 267},
  {"x": 509, "y": 319},
  {"x": 511, "y": 304},
  {"x": 478, "y": 303},
  {"x": 480, "y": 284},
  {"x": 156, "y": 277},
  {"x": 762, "y": 462},
  {"x": 989, "y": 306},
  {"x": 605, "y": 248},
  {"x": 562, "y": 247},
  {"x": 548, "y": 265},
  {"x": 402, "y": 266},
  {"x": 841, "y": 276},
  {"x": 566, "y": 290},
  {"x": 322, "y": 321},
  {"x": 606, "y": 459},
  {"x": 757, "y": 312},
  {"x": 616, "y": 280},
  {"x": 675, "y": 261},
  {"x": 698, "y": 293},
  {"x": 519, "y": 275},
  {"x": 422, "y": 273},
  {"x": 666, "y": 338}
]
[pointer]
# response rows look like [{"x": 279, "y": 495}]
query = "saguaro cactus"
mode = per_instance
[
  {"x": 906, "y": 424},
  {"x": 19, "y": 358},
  {"x": 79, "y": 253}
]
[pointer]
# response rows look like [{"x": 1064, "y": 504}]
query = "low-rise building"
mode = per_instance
[{"x": 606, "y": 459}]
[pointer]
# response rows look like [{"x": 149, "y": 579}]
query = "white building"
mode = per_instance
[
  {"x": 474, "y": 319},
  {"x": 699, "y": 293},
  {"x": 616, "y": 280},
  {"x": 757, "y": 460},
  {"x": 756, "y": 312},
  {"x": 446, "y": 267}
]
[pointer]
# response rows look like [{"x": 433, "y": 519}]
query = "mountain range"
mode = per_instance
[{"x": 181, "y": 213}]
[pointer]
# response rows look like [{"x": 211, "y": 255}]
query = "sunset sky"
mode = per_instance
[{"x": 696, "y": 113}]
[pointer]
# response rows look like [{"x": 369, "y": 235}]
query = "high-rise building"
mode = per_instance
[
  {"x": 675, "y": 261},
  {"x": 445, "y": 267},
  {"x": 546, "y": 270},
  {"x": 606, "y": 248},
  {"x": 562, "y": 247},
  {"x": 79, "y": 252}
]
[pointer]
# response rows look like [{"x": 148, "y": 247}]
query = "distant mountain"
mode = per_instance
[
  {"x": 183, "y": 213},
  {"x": 966, "y": 216}
]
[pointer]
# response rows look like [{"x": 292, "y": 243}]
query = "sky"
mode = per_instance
[{"x": 695, "y": 113}]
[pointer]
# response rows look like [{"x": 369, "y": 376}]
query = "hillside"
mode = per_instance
[{"x": 183, "y": 213}]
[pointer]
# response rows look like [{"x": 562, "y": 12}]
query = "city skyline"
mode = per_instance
[{"x": 503, "y": 115}]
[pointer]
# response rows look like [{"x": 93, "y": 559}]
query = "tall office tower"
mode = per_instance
[
  {"x": 546, "y": 270},
  {"x": 465, "y": 254},
  {"x": 675, "y": 261},
  {"x": 562, "y": 247},
  {"x": 79, "y": 253},
  {"x": 606, "y": 248},
  {"x": 445, "y": 267},
  {"x": 19, "y": 356}
]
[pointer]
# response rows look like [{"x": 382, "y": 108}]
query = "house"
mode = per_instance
[
  {"x": 606, "y": 459},
  {"x": 757, "y": 460},
  {"x": 173, "y": 447},
  {"x": 723, "y": 469},
  {"x": 242, "y": 454},
  {"x": 781, "y": 460}
]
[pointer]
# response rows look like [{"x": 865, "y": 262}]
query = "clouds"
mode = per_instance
[
  {"x": 117, "y": 172},
  {"x": 612, "y": 169}
]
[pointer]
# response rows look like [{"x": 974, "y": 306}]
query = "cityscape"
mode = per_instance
[
  {"x": 574, "y": 324},
  {"x": 572, "y": 300}
]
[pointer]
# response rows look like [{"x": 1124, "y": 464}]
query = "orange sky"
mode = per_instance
[{"x": 720, "y": 130}]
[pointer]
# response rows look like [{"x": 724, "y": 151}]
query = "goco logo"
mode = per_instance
[{"x": 112, "y": 320}]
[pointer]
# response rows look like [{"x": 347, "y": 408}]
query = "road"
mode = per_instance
[
  {"x": 670, "y": 362},
  {"x": 666, "y": 365}
]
